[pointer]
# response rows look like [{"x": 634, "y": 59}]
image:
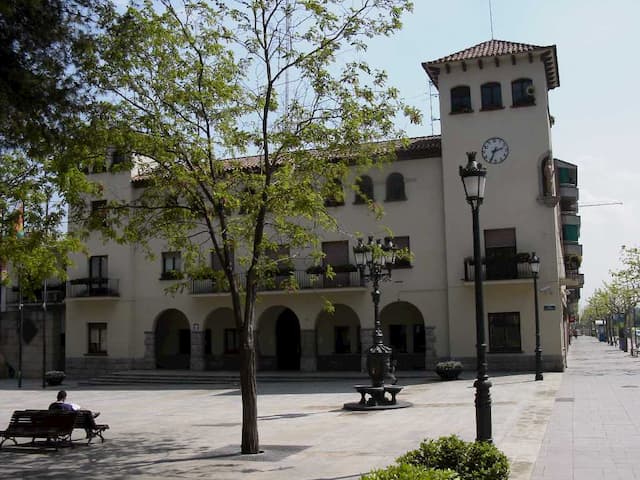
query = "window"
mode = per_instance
[
  {"x": 97, "y": 339},
  {"x": 522, "y": 92},
  {"x": 335, "y": 197},
  {"x": 398, "y": 338},
  {"x": 500, "y": 253},
  {"x": 419, "y": 339},
  {"x": 98, "y": 267},
  {"x": 231, "y": 340},
  {"x": 504, "y": 332},
  {"x": 171, "y": 266},
  {"x": 98, "y": 214},
  {"x": 216, "y": 265},
  {"x": 342, "y": 339},
  {"x": 395, "y": 187},
  {"x": 401, "y": 243},
  {"x": 461, "y": 99},
  {"x": 336, "y": 254},
  {"x": 491, "y": 96},
  {"x": 364, "y": 191}
]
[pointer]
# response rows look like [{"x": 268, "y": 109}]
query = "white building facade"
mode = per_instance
[{"x": 494, "y": 101}]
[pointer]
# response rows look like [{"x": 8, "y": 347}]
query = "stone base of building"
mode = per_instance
[{"x": 505, "y": 362}]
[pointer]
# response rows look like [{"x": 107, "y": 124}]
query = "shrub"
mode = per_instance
[
  {"x": 472, "y": 460},
  {"x": 410, "y": 472},
  {"x": 54, "y": 377}
]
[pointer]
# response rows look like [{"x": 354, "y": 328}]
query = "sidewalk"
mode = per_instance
[{"x": 594, "y": 430}]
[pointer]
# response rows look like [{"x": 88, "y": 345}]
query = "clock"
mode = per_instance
[{"x": 495, "y": 150}]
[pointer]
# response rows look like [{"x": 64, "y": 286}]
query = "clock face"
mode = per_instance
[{"x": 495, "y": 150}]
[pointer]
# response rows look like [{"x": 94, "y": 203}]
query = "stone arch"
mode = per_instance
[
  {"x": 338, "y": 339},
  {"x": 221, "y": 340},
  {"x": 404, "y": 330},
  {"x": 279, "y": 339},
  {"x": 172, "y": 339}
]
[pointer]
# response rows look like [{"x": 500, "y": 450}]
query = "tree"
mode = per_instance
[
  {"x": 42, "y": 102},
  {"x": 192, "y": 85},
  {"x": 39, "y": 84}
]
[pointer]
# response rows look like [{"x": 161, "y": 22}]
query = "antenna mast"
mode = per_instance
[{"x": 491, "y": 19}]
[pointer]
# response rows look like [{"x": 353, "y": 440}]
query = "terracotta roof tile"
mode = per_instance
[
  {"x": 418, "y": 147},
  {"x": 497, "y": 48}
]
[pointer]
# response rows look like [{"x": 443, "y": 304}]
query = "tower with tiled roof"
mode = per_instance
[{"x": 494, "y": 101}]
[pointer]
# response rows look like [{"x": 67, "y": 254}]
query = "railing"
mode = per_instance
[
  {"x": 498, "y": 270},
  {"x": 55, "y": 294},
  {"x": 92, "y": 287},
  {"x": 297, "y": 279},
  {"x": 577, "y": 278}
]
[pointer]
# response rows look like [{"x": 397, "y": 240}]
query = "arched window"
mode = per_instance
[
  {"x": 364, "y": 190},
  {"x": 335, "y": 195},
  {"x": 522, "y": 92},
  {"x": 491, "y": 96},
  {"x": 395, "y": 187},
  {"x": 461, "y": 99}
]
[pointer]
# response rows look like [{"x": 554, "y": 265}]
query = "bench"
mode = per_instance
[
  {"x": 53, "y": 426},
  {"x": 87, "y": 422}
]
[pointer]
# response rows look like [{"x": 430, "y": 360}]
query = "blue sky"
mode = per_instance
[{"x": 594, "y": 107}]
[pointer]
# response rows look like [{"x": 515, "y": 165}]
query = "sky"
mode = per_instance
[{"x": 594, "y": 107}]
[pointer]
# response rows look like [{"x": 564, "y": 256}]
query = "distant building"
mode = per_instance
[{"x": 493, "y": 100}]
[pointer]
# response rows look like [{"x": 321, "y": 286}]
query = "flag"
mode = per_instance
[{"x": 20, "y": 222}]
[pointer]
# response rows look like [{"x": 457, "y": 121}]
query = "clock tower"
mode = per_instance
[{"x": 494, "y": 101}]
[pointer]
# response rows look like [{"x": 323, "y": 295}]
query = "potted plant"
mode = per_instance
[
  {"x": 316, "y": 270},
  {"x": 449, "y": 370},
  {"x": 54, "y": 377}
]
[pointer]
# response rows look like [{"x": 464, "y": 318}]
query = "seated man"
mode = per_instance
[{"x": 61, "y": 404}]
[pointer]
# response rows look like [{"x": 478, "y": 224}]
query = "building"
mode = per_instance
[{"x": 493, "y": 100}]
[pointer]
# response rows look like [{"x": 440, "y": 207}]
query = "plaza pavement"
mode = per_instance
[{"x": 194, "y": 432}]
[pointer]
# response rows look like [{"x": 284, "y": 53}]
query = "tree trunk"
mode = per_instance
[{"x": 250, "y": 443}]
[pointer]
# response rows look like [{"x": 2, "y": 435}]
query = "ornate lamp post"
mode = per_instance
[
  {"x": 534, "y": 262},
  {"x": 473, "y": 177},
  {"x": 378, "y": 259}
]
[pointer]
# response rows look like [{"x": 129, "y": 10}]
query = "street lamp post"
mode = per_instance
[
  {"x": 378, "y": 259},
  {"x": 535, "y": 270},
  {"x": 473, "y": 177}
]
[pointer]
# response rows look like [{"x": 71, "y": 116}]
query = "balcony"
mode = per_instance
[
  {"x": 573, "y": 278},
  {"x": 569, "y": 191},
  {"x": 504, "y": 269},
  {"x": 571, "y": 248},
  {"x": 570, "y": 218},
  {"x": 55, "y": 295},
  {"x": 296, "y": 279},
  {"x": 93, "y": 288}
]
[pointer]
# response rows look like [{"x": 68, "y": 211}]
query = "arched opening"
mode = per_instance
[
  {"x": 172, "y": 340},
  {"x": 338, "y": 339},
  {"x": 288, "y": 341},
  {"x": 221, "y": 340},
  {"x": 404, "y": 331}
]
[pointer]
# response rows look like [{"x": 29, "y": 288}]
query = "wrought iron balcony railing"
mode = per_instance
[
  {"x": 92, "y": 287},
  {"x": 503, "y": 269},
  {"x": 296, "y": 279}
]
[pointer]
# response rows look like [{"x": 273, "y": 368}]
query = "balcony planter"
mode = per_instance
[
  {"x": 54, "y": 377},
  {"x": 449, "y": 370},
  {"x": 316, "y": 270},
  {"x": 171, "y": 275},
  {"x": 346, "y": 268}
]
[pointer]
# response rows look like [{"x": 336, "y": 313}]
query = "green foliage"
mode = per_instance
[
  {"x": 239, "y": 128},
  {"x": 410, "y": 472},
  {"x": 471, "y": 460}
]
